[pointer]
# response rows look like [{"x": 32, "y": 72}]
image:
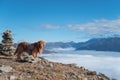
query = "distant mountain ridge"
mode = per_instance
[
  {"x": 60, "y": 44},
  {"x": 102, "y": 44},
  {"x": 98, "y": 44}
]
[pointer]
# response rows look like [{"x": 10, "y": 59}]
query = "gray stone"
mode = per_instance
[
  {"x": 12, "y": 77},
  {"x": 85, "y": 78},
  {"x": 40, "y": 66},
  {"x": 51, "y": 65},
  {"x": 6, "y": 69},
  {"x": 83, "y": 68},
  {"x": 27, "y": 58}
]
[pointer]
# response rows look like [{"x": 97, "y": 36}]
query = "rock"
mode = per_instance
[
  {"x": 40, "y": 66},
  {"x": 51, "y": 65},
  {"x": 91, "y": 73},
  {"x": 25, "y": 57},
  {"x": 71, "y": 65},
  {"x": 85, "y": 79},
  {"x": 6, "y": 69},
  {"x": 82, "y": 68},
  {"x": 103, "y": 77},
  {"x": 29, "y": 58},
  {"x": 12, "y": 77}
]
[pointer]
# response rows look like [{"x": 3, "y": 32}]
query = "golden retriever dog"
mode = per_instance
[{"x": 33, "y": 49}]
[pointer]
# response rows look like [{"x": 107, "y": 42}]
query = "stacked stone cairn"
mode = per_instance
[{"x": 7, "y": 45}]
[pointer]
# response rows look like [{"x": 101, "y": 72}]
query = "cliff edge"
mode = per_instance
[{"x": 43, "y": 69}]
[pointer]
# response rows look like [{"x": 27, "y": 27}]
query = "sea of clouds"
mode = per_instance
[
  {"x": 62, "y": 49},
  {"x": 100, "y": 61}
]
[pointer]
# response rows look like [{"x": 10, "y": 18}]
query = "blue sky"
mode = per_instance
[{"x": 60, "y": 20}]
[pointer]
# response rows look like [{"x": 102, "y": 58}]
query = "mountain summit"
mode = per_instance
[{"x": 98, "y": 44}]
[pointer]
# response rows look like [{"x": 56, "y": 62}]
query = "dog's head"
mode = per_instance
[{"x": 40, "y": 46}]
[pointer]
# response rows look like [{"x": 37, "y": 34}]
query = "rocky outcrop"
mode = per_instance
[
  {"x": 46, "y": 70},
  {"x": 7, "y": 48},
  {"x": 25, "y": 57}
]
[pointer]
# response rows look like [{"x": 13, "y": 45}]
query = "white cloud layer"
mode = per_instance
[
  {"x": 98, "y": 28},
  {"x": 51, "y": 27},
  {"x": 95, "y": 29},
  {"x": 94, "y": 60}
]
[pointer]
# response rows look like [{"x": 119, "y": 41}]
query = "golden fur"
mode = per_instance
[{"x": 37, "y": 47}]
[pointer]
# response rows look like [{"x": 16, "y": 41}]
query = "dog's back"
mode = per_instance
[{"x": 22, "y": 47}]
